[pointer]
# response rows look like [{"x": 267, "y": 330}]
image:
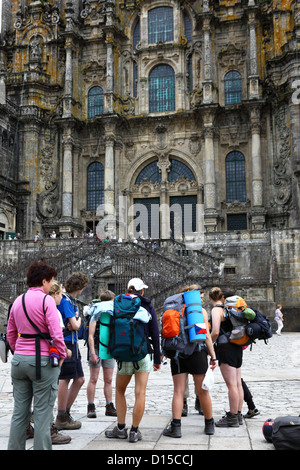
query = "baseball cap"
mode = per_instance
[{"x": 137, "y": 283}]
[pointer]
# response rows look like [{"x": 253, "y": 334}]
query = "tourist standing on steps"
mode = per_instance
[
  {"x": 279, "y": 319},
  {"x": 230, "y": 358},
  {"x": 37, "y": 383},
  {"x": 136, "y": 286},
  {"x": 72, "y": 367}
]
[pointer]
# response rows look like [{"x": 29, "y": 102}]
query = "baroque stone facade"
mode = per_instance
[{"x": 179, "y": 101}]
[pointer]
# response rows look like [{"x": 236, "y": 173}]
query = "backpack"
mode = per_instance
[
  {"x": 248, "y": 324},
  {"x": 286, "y": 433},
  {"x": 175, "y": 342},
  {"x": 128, "y": 341}
]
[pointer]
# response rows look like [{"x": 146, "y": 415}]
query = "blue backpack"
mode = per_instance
[{"x": 128, "y": 341}]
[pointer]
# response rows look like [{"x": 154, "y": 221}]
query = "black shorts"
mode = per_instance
[
  {"x": 196, "y": 364},
  {"x": 72, "y": 368},
  {"x": 230, "y": 354}
]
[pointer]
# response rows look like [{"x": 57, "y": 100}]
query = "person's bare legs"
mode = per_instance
[
  {"x": 107, "y": 377},
  {"x": 121, "y": 384},
  {"x": 141, "y": 380},
  {"x": 203, "y": 395},
  {"x": 179, "y": 381},
  {"x": 232, "y": 377}
]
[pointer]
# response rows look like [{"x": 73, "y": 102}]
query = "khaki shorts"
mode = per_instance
[{"x": 145, "y": 365}]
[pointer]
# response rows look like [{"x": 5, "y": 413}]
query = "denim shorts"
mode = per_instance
[
  {"x": 72, "y": 368},
  {"x": 145, "y": 365}
]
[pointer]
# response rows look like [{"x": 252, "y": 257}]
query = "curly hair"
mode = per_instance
[
  {"x": 76, "y": 281},
  {"x": 38, "y": 271}
]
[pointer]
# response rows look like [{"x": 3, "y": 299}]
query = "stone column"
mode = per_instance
[
  {"x": 67, "y": 186},
  {"x": 210, "y": 213},
  {"x": 258, "y": 212},
  {"x": 109, "y": 75},
  {"x": 253, "y": 79},
  {"x": 109, "y": 175},
  {"x": 207, "y": 71},
  {"x": 67, "y": 102}
]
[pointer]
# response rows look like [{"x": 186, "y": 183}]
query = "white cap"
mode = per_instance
[{"x": 137, "y": 283}]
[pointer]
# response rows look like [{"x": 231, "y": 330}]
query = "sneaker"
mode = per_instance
[
  {"x": 184, "y": 409},
  {"x": 58, "y": 438},
  {"x": 135, "y": 436},
  {"x": 209, "y": 428},
  {"x": 173, "y": 430},
  {"x": 116, "y": 433},
  {"x": 66, "y": 421},
  {"x": 110, "y": 410},
  {"x": 230, "y": 420},
  {"x": 91, "y": 411},
  {"x": 251, "y": 413}
]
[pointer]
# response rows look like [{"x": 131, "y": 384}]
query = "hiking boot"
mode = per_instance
[
  {"x": 91, "y": 411},
  {"x": 251, "y": 413},
  {"x": 66, "y": 421},
  {"x": 230, "y": 420},
  {"x": 58, "y": 438},
  {"x": 116, "y": 433},
  {"x": 173, "y": 430},
  {"x": 135, "y": 436},
  {"x": 184, "y": 409},
  {"x": 110, "y": 410},
  {"x": 209, "y": 428}
]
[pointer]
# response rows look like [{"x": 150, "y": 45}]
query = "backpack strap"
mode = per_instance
[{"x": 37, "y": 337}]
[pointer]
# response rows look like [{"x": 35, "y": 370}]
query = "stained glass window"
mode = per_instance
[
  {"x": 161, "y": 89},
  {"x": 235, "y": 177},
  {"x": 95, "y": 102},
  {"x": 233, "y": 87},
  {"x": 150, "y": 172},
  {"x": 95, "y": 186},
  {"x": 179, "y": 169},
  {"x": 160, "y": 25}
]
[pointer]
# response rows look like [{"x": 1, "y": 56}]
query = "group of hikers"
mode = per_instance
[{"x": 41, "y": 339}]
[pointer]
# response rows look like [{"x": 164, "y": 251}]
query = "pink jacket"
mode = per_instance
[{"x": 47, "y": 323}]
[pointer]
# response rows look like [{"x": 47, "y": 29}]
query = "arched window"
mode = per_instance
[
  {"x": 149, "y": 172},
  {"x": 235, "y": 177},
  {"x": 161, "y": 89},
  {"x": 95, "y": 102},
  {"x": 160, "y": 25},
  {"x": 136, "y": 35},
  {"x": 233, "y": 87},
  {"x": 187, "y": 27},
  {"x": 95, "y": 186},
  {"x": 179, "y": 169}
]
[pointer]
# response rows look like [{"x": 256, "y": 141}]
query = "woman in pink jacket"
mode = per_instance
[{"x": 33, "y": 373}]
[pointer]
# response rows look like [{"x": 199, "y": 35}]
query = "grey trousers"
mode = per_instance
[{"x": 42, "y": 392}]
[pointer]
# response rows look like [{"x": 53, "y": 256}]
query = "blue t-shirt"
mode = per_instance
[{"x": 68, "y": 309}]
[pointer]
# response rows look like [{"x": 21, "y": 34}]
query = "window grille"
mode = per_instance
[
  {"x": 182, "y": 215},
  {"x": 187, "y": 27},
  {"x": 190, "y": 73},
  {"x": 161, "y": 89},
  {"x": 150, "y": 172},
  {"x": 233, "y": 87},
  {"x": 160, "y": 25},
  {"x": 95, "y": 186},
  {"x": 179, "y": 169},
  {"x": 136, "y": 35},
  {"x": 236, "y": 221},
  {"x": 235, "y": 177},
  {"x": 95, "y": 102}
]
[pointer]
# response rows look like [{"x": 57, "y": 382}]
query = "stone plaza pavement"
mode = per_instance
[{"x": 271, "y": 371}]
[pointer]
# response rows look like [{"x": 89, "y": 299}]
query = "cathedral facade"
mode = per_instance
[{"x": 154, "y": 118}]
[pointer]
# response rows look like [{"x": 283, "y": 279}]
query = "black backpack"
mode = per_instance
[
  {"x": 259, "y": 328},
  {"x": 286, "y": 433}
]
